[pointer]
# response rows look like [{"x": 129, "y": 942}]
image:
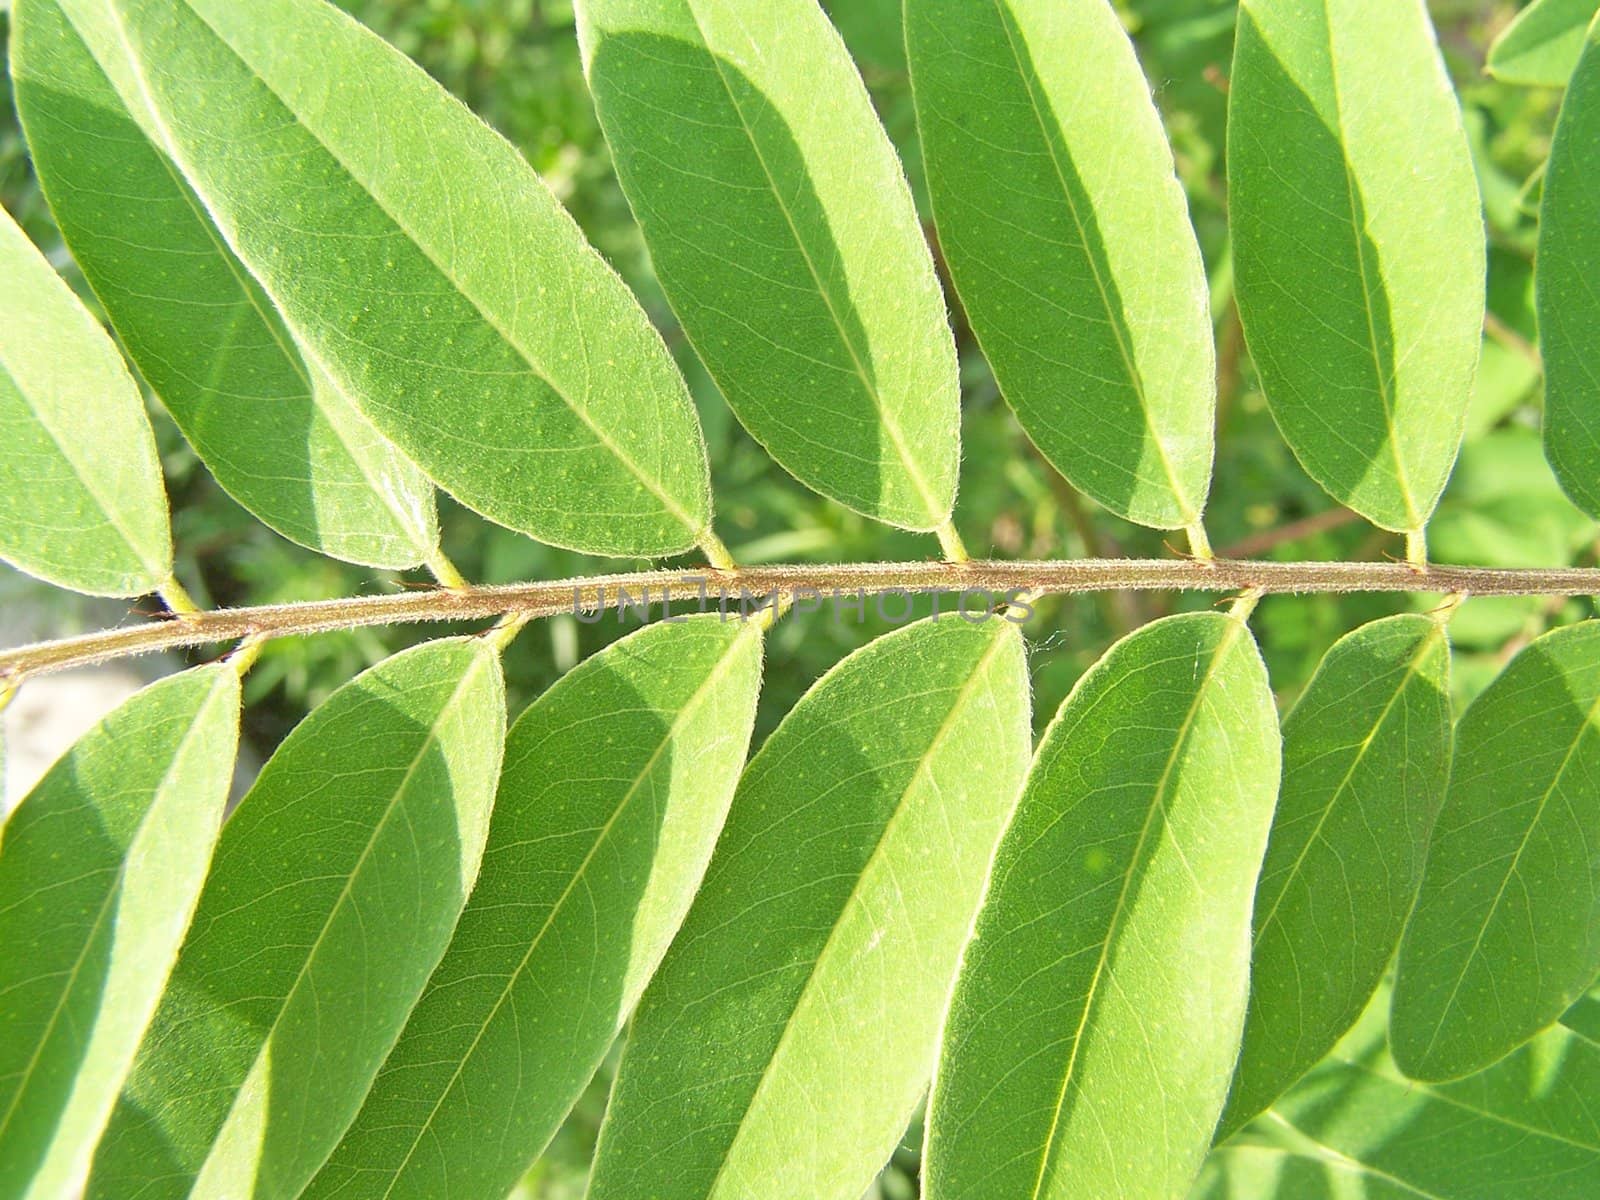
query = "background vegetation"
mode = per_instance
[{"x": 515, "y": 63}]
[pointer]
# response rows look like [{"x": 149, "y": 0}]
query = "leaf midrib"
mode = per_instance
[
  {"x": 696, "y": 529},
  {"x": 690, "y": 708},
  {"x": 958, "y": 707},
  {"x": 1180, "y": 742}
]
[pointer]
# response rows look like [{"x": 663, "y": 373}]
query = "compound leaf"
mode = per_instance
[
  {"x": 82, "y": 504},
  {"x": 1366, "y": 754},
  {"x": 1541, "y": 47},
  {"x": 1096, "y": 1021},
  {"x": 1359, "y": 245},
  {"x": 268, "y": 423},
  {"x": 420, "y": 261},
  {"x": 1506, "y": 932},
  {"x": 1568, "y": 298},
  {"x": 788, "y": 1036},
  {"x": 1068, "y": 236},
  {"x": 100, "y": 867},
  {"x": 785, "y": 238},
  {"x": 615, "y": 786},
  {"x": 334, "y": 890}
]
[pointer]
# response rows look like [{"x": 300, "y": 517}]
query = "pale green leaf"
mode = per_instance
[
  {"x": 1098, "y": 1014},
  {"x": 334, "y": 891},
  {"x": 616, "y": 783},
  {"x": 1356, "y": 1129},
  {"x": 1568, "y": 296},
  {"x": 789, "y": 1035},
  {"x": 1068, "y": 236},
  {"x": 784, "y": 235},
  {"x": 276, "y": 433},
  {"x": 1506, "y": 932},
  {"x": 81, "y": 499},
  {"x": 100, "y": 867},
  {"x": 420, "y": 261},
  {"x": 1366, "y": 753},
  {"x": 1541, "y": 47},
  {"x": 1358, "y": 243}
]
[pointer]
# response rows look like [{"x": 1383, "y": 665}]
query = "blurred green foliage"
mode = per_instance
[{"x": 516, "y": 63}]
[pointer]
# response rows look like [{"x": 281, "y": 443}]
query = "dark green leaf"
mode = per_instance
[
  {"x": 1506, "y": 932},
  {"x": 1069, "y": 239},
  {"x": 784, "y": 234}
]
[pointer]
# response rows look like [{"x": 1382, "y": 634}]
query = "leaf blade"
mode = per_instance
[
  {"x": 316, "y": 931},
  {"x": 1506, "y": 931},
  {"x": 1364, "y": 315},
  {"x": 513, "y": 365},
  {"x": 826, "y": 332},
  {"x": 1569, "y": 310},
  {"x": 599, "y": 926},
  {"x": 1033, "y": 1097},
  {"x": 1541, "y": 47},
  {"x": 82, "y": 503},
  {"x": 100, "y": 868},
  {"x": 1366, "y": 758},
  {"x": 849, "y": 818},
  {"x": 1068, "y": 237},
  {"x": 274, "y": 432}
]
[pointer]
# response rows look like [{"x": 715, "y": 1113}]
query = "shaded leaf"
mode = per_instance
[
  {"x": 1568, "y": 299},
  {"x": 428, "y": 270},
  {"x": 1355, "y": 1127},
  {"x": 100, "y": 867},
  {"x": 81, "y": 499},
  {"x": 1359, "y": 245},
  {"x": 787, "y": 1039},
  {"x": 272, "y": 428},
  {"x": 616, "y": 782},
  {"x": 1506, "y": 932},
  {"x": 784, "y": 235},
  {"x": 1541, "y": 47},
  {"x": 1366, "y": 755},
  {"x": 1068, "y": 236},
  {"x": 334, "y": 891},
  {"x": 1097, "y": 1018}
]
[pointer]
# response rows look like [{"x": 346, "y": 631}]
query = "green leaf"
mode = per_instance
[
  {"x": 788, "y": 1037},
  {"x": 1506, "y": 932},
  {"x": 1097, "y": 1018},
  {"x": 1568, "y": 299},
  {"x": 1541, "y": 47},
  {"x": 785, "y": 238},
  {"x": 270, "y": 425},
  {"x": 335, "y": 888},
  {"x": 99, "y": 871},
  {"x": 81, "y": 499},
  {"x": 1366, "y": 754},
  {"x": 586, "y": 876},
  {"x": 1069, "y": 239},
  {"x": 1359, "y": 245},
  {"x": 421, "y": 262},
  {"x": 1355, "y": 1127}
]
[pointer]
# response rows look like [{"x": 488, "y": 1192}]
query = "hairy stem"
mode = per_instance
[{"x": 791, "y": 585}]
